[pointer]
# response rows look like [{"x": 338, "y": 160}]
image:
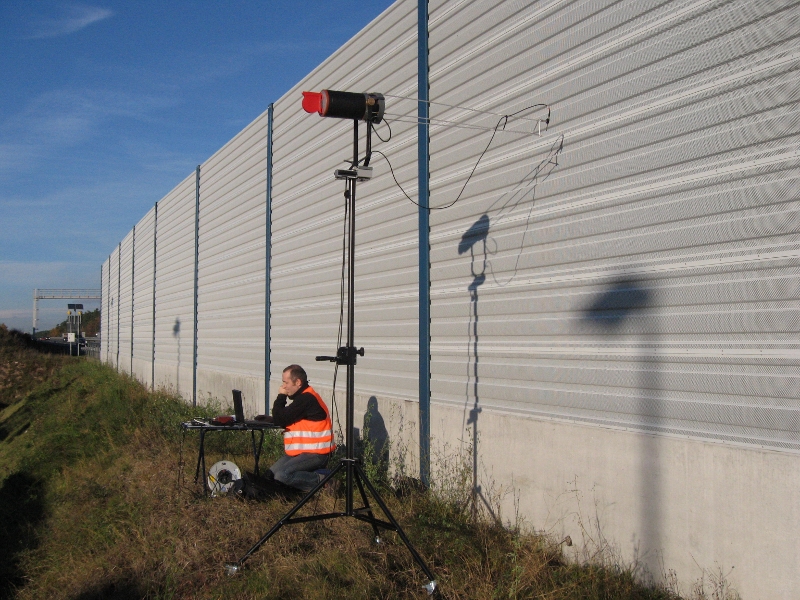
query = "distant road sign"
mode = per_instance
[{"x": 63, "y": 294}]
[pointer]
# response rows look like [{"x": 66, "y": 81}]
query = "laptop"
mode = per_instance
[{"x": 238, "y": 409}]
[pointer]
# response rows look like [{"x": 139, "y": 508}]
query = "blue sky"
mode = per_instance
[{"x": 105, "y": 107}]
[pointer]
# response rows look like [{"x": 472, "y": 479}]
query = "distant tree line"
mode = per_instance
[{"x": 90, "y": 323}]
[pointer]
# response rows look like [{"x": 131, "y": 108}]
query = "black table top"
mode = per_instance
[{"x": 248, "y": 426}]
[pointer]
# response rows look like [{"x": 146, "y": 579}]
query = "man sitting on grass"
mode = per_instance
[{"x": 308, "y": 439}]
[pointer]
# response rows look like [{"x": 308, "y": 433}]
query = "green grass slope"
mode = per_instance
[{"x": 97, "y": 501}]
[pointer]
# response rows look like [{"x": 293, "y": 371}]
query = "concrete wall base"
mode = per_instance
[{"x": 677, "y": 509}]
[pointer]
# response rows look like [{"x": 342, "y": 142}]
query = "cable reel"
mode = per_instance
[{"x": 222, "y": 478}]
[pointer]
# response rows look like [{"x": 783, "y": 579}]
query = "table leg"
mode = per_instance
[
  {"x": 199, "y": 458},
  {"x": 203, "y": 459},
  {"x": 257, "y": 450}
]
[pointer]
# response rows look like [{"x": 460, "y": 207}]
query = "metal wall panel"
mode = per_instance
[
  {"x": 232, "y": 268},
  {"x": 232, "y": 255},
  {"x": 175, "y": 289},
  {"x": 645, "y": 276},
  {"x": 104, "y": 310},
  {"x": 308, "y": 217},
  {"x": 143, "y": 299},
  {"x": 111, "y": 306},
  {"x": 126, "y": 302}
]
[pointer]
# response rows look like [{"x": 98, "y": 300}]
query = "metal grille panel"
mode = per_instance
[
  {"x": 644, "y": 274},
  {"x": 308, "y": 213},
  {"x": 143, "y": 298},
  {"x": 633, "y": 266},
  {"x": 232, "y": 259},
  {"x": 125, "y": 313},
  {"x": 175, "y": 288},
  {"x": 113, "y": 301},
  {"x": 105, "y": 295}
]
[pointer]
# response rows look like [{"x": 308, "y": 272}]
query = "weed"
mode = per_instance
[{"x": 714, "y": 585}]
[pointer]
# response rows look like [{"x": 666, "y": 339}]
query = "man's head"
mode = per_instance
[{"x": 294, "y": 378}]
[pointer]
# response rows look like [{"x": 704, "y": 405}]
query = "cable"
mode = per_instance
[
  {"x": 447, "y": 124},
  {"x": 391, "y": 170},
  {"x": 504, "y": 120},
  {"x": 341, "y": 306},
  {"x": 552, "y": 161},
  {"x": 379, "y": 135},
  {"x": 485, "y": 112}
]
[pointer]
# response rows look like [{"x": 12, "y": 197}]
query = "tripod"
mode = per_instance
[{"x": 347, "y": 355}]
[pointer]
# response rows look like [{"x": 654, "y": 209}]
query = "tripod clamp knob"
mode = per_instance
[{"x": 346, "y": 355}]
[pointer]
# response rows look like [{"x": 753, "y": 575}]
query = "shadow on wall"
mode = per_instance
[
  {"x": 524, "y": 191},
  {"x": 621, "y": 300},
  {"x": 375, "y": 439},
  {"x": 176, "y": 333},
  {"x": 474, "y": 242},
  {"x": 623, "y": 313}
]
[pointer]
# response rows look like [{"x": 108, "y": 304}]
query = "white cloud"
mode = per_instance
[
  {"x": 73, "y": 17},
  {"x": 65, "y": 117}
]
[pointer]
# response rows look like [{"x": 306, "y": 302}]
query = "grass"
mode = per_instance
[{"x": 97, "y": 501}]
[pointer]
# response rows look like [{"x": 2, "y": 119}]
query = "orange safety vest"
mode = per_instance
[{"x": 314, "y": 437}]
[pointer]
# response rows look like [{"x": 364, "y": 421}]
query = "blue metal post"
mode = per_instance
[
  {"x": 119, "y": 294},
  {"x": 267, "y": 337},
  {"x": 423, "y": 113},
  {"x": 133, "y": 288},
  {"x": 108, "y": 316},
  {"x": 196, "y": 271},
  {"x": 153, "y": 345}
]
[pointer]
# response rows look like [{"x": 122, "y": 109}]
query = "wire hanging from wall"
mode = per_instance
[
  {"x": 450, "y": 124},
  {"x": 538, "y": 175},
  {"x": 475, "y": 110},
  {"x": 503, "y": 120}
]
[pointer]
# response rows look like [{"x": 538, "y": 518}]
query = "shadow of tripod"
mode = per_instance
[
  {"x": 176, "y": 333},
  {"x": 475, "y": 235},
  {"x": 347, "y": 355}
]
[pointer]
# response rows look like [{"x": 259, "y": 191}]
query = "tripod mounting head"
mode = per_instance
[
  {"x": 346, "y": 355},
  {"x": 358, "y": 173}
]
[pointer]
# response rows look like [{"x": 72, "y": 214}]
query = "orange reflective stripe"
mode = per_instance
[{"x": 315, "y": 437}]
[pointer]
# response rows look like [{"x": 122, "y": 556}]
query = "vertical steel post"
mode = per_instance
[
  {"x": 153, "y": 343},
  {"x": 35, "y": 294},
  {"x": 100, "y": 326},
  {"x": 119, "y": 294},
  {"x": 133, "y": 287},
  {"x": 267, "y": 333},
  {"x": 423, "y": 146},
  {"x": 351, "y": 343},
  {"x": 108, "y": 304},
  {"x": 196, "y": 272}
]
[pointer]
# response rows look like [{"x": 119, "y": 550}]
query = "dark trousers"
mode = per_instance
[{"x": 298, "y": 471}]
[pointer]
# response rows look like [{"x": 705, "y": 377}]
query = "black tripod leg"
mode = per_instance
[
  {"x": 285, "y": 518},
  {"x": 357, "y": 477},
  {"x": 397, "y": 527}
]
